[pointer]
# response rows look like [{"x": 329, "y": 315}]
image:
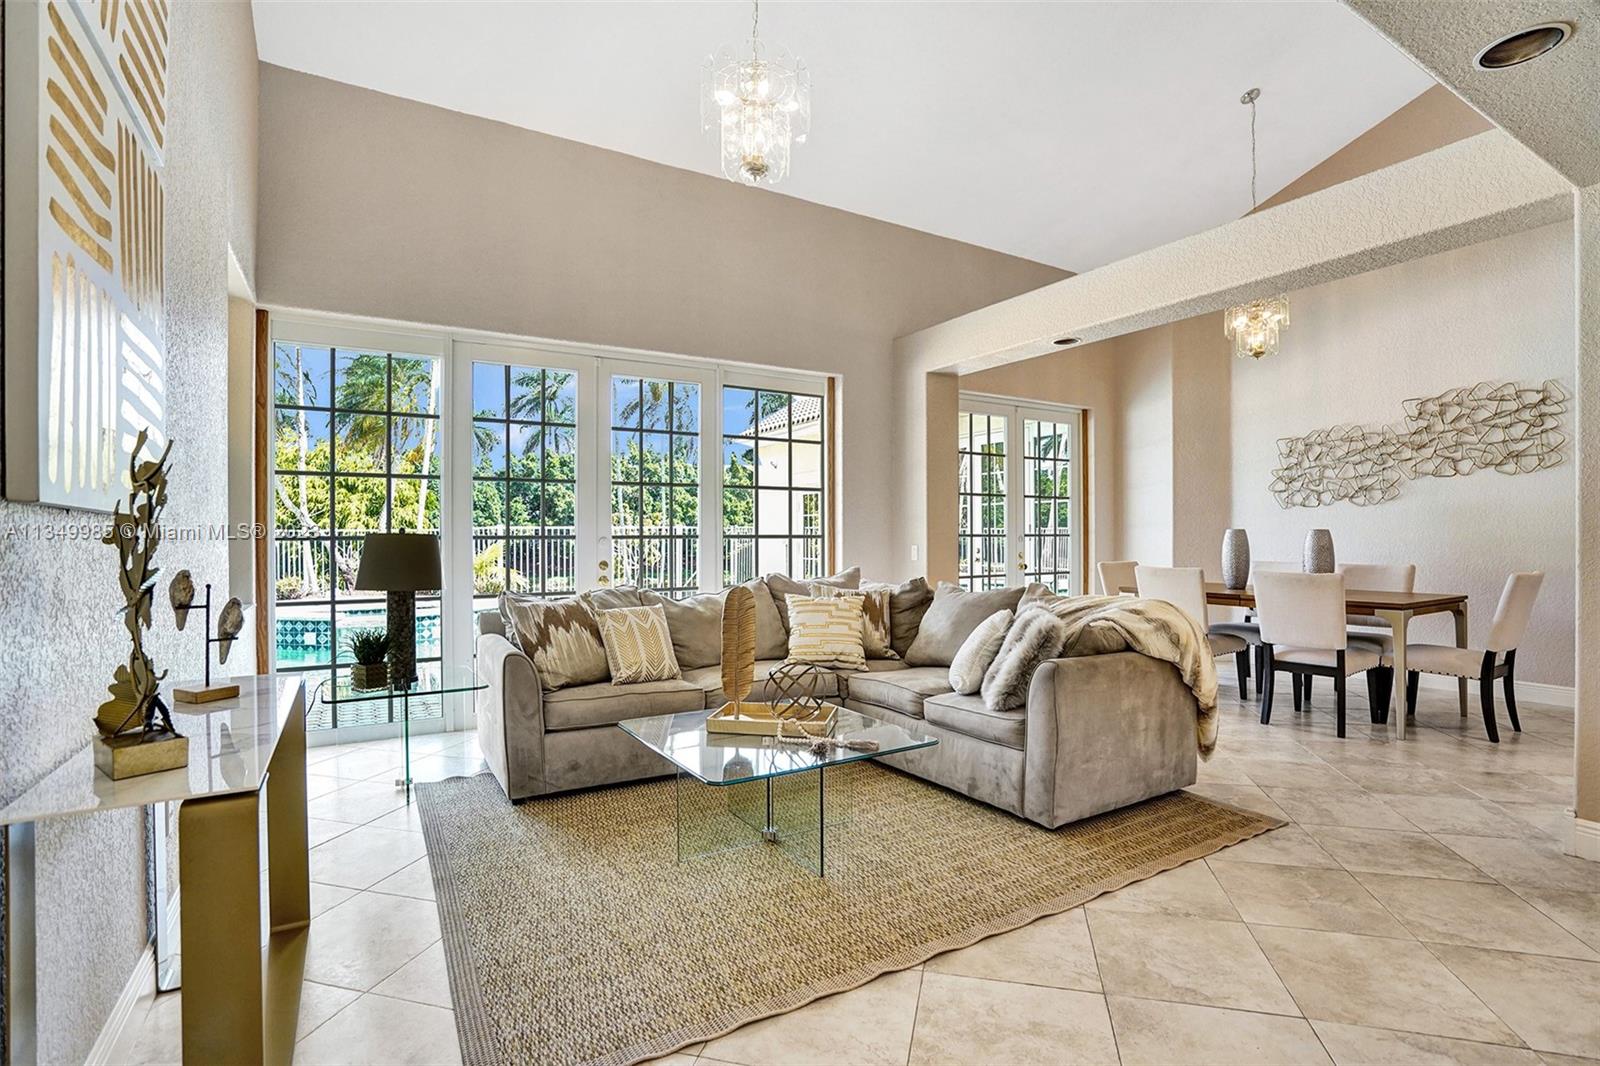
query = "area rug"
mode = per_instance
[{"x": 573, "y": 934}]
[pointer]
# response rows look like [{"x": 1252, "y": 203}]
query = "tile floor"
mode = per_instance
[{"x": 1418, "y": 909}]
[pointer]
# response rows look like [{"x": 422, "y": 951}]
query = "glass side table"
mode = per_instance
[{"x": 433, "y": 679}]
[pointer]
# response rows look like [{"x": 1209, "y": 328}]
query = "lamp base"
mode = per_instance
[{"x": 402, "y": 612}]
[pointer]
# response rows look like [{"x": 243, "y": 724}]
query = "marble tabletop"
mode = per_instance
[{"x": 230, "y": 744}]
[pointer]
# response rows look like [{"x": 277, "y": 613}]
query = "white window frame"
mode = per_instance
[
  {"x": 1016, "y": 413},
  {"x": 594, "y": 366}
]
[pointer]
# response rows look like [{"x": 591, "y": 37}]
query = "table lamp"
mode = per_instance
[{"x": 401, "y": 565}]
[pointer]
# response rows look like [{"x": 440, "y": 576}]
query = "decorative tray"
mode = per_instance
[{"x": 762, "y": 719}]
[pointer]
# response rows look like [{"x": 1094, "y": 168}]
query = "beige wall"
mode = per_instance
[
  {"x": 373, "y": 205},
  {"x": 59, "y": 599},
  {"x": 1434, "y": 119},
  {"x": 1586, "y": 280}
]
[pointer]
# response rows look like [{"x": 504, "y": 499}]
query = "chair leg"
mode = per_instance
[
  {"x": 1308, "y": 690},
  {"x": 1297, "y": 681},
  {"x": 1265, "y": 683},
  {"x": 1486, "y": 695},
  {"x": 1241, "y": 665},
  {"x": 1385, "y": 692},
  {"x": 1412, "y": 678},
  {"x": 1339, "y": 681},
  {"x": 1511, "y": 693},
  {"x": 1373, "y": 685}
]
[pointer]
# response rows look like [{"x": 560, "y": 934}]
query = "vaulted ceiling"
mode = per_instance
[{"x": 1074, "y": 134}]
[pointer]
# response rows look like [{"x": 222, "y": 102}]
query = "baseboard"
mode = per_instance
[
  {"x": 137, "y": 996},
  {"x": 1563, "y": 696},
  {"x": 1586, "y": 839}
]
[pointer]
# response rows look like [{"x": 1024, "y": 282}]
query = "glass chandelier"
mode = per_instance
[
  {"x": 1254, "y": 327},
  {"x": 759, "y": 101}
]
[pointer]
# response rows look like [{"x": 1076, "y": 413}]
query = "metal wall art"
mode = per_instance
[{"x": 1476, "y": 427}]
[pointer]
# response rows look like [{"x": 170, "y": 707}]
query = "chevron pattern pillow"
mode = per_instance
[
  {"x": 638, "y": 645},
  {"x": 826, "y": 631}
]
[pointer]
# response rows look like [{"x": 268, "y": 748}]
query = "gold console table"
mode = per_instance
[{"x": 240, "y": 1004}]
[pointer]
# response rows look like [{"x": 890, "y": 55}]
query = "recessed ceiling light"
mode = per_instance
[
  {"x": 1523, "y": 45},
  {"x": 1067, "y": 342}
]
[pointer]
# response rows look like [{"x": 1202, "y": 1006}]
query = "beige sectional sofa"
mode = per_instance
[{"x": 1096, "y": 733}]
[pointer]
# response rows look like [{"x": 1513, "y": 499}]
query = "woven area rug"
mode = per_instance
[{"x": 573, "y": 934}]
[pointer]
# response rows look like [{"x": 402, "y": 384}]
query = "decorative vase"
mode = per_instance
[
  {"x": 369, "y": 675},
  {"x": 1235, "y": 558},
  {"x": 1318, "y": 558}
]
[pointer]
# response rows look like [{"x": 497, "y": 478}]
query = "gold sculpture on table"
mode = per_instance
[
  {"x": 738, "y": 677},
  {"x": 137, "y": 735}
]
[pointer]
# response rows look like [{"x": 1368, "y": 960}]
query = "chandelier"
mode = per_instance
[
  {"x": 759, "y": 101},
  {"x": 1254, "y": 327}
]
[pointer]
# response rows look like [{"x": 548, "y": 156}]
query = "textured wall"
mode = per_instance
[
  {"x": 1499, "y": 311},
  {"x": 1587, "y": 421},
  {"x": 58, "y": 600},
  {"x": 374, "y": 205}
]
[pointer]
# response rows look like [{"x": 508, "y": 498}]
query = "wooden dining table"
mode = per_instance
[{"x": 1396, "y": 608}]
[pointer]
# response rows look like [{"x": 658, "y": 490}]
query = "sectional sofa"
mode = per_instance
[{"x": 1097, "y": 732}]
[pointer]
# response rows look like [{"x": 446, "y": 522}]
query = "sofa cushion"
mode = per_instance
[
  {"x": 908, "y": 602},
  {"x": 582, "y": 706},
  {"x": 772, "y": 630},
  {"x": 782, "y": 585},
  {"x": 560, "y": 636},
  {"x": 696, "y": 627},
  {"x": 638, "y": 644},
  {"x": 709, "y": 680},
  {"x": 968, "y": 715},
  {"x": 826, "y": 631},
  {"x": 951, "y": 618},
  {"x": 898, "y": 690},
  {"x": 977, "y": 652},
  {"x": 876, "y": 639}
]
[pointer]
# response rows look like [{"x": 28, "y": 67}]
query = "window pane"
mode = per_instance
[
  {"x": 790, "y": 525},
  {"x": 654, "y": 472},
  {"x": 488, "y": 448},
  {"x": 361, "y": 380},
  {"x": 489, "y": 390},
  {"x": 302, "y": 376},
  {"x": 417, "y": 445},
  {"x": 981, "y": 496},
  {"x": 302, "y": 439}
]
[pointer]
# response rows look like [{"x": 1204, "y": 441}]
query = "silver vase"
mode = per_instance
[
  {"x": 1318, "y": 558},
  {"x": 1235, "y": 558}
]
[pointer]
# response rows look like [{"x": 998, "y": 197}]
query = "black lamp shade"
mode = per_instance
[{"x": 399, "y": 562}]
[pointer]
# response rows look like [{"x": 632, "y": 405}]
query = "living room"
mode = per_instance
[{"x": 651, "y": 570}]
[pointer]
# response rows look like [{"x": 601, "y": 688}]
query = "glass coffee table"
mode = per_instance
[
  {"x": 736, "y": 790},
  {"x": 433, "y": 679}
]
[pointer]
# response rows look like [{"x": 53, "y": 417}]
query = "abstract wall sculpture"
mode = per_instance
[
  {"x": 1477, "y": 427},
  {"x": 85, "y": 345}
]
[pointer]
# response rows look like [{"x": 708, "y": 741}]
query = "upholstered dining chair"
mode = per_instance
[
  {"x": 1185, "y": 588},
  {"x": 1248, "y": 629},
  {"x": 1302, "y": 619},
  {"x": 1376, "y": 577},
  {"x": 1497, "y": 658},
  {"x": 1117, "y": 575}
]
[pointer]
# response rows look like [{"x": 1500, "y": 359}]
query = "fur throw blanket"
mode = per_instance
[{"x": 1098, "y": 625}]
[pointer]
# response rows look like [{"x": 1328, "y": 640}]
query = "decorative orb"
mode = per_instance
[{"x": 794, "y": 691}]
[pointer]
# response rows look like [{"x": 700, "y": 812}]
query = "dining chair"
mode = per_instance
[
  {"x": 1302, "y": 619},
  {"x": 1185, "y": 588},
  {"x": 1116, "y": 576},
  {"x": 1248, "y": 630},
  {"x": 1376, "y": 577},
  {"x": 1497, "y": 658}
]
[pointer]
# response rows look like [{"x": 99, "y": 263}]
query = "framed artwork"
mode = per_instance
[{"x": 85, "y": 325}]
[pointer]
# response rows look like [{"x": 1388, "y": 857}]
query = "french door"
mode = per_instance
[{"x": 1018, "y": 493}]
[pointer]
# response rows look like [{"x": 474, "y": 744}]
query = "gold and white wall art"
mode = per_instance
[{"x": 85, "y": 334}]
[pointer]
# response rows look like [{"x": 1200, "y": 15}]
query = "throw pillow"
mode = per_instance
[
  {"x": 560, "y": 636},
  {"x": 696, "y": 627},
  {"x": 952, "y": 616},
  {"x": 782, "y": 586},
  {"x": 977, "y": 652},
  {"x": 772, "y": 632},
  {"x": 1036, "y": 635},
  {"x": 875, "y": 636},
  {"x": 638, "y": 645},
  {"x": 908, "y": 602},
  {"x": 826, "y": 631}
]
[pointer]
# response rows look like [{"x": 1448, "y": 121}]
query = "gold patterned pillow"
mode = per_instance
[
  {"x": 826, "y": 631},
  {"x": 638, "y": 645},
  {"x": 560, "y": 636},
  {"x": 876, "y": 638}
]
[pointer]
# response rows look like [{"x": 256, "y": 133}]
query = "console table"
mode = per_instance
[{"x": 234, "y": 1008}]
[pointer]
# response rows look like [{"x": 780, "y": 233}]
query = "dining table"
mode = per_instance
[{"x": 1396, "y": 608}]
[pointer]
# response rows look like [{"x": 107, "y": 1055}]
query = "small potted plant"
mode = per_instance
[{"x": 369, "y": 648}]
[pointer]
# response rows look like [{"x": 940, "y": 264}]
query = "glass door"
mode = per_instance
[{"x": 1019, "y": 518}]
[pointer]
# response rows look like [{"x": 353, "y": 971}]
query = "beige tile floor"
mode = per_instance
[{"x": 1418, "y": 909}]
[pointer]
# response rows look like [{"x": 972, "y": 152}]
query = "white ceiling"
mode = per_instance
[{"x": 1070, "y": 133}]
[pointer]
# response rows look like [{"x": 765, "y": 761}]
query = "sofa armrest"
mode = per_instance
[
  {"x": 1104, "y": 731},
  {"x": 511, "y": 717}
]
